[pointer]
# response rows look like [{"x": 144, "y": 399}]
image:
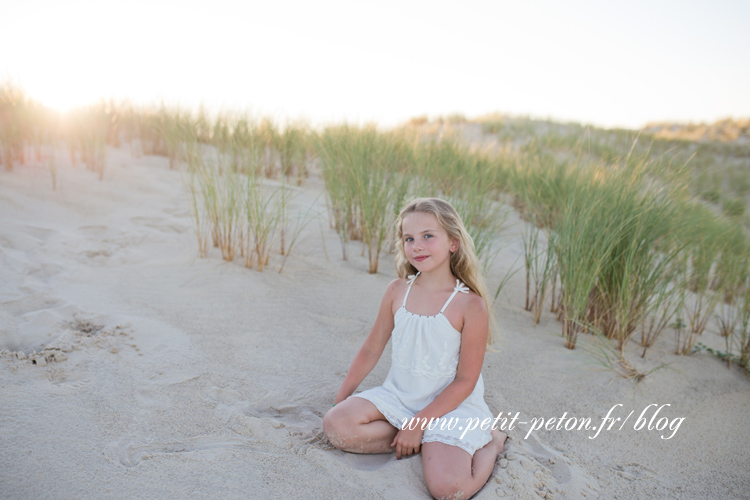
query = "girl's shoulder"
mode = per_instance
[
  {"x": 469, "y": 301},
  {"x": 394, "y": 293},
  {"x": 396, "y": 287},
  {"x": 477, "y": 303},
  {"x": 397, "y": 284},
  {"x": 401, "y": 283}
]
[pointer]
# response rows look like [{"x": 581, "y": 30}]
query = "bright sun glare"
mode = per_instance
[
  {"x": 60, "y": 97},
  {"x": 500, "y": 56}
]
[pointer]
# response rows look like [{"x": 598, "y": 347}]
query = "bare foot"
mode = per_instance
[{"x": 499, "y": 437}]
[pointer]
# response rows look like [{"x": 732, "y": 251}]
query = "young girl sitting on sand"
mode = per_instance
[{"x": 436, "y": 360}]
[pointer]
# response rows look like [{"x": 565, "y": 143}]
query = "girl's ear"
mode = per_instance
[{"x": 455, "y": 244}]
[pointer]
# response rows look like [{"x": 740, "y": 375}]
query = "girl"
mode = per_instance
[{"x": 436, "y": 360}]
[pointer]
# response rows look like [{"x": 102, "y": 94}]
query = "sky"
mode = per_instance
[{"x": 607, "y": 63}]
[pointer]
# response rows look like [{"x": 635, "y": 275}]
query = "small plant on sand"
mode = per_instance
[
  {"x": 194, "y": 192},
  {"x": 727, "y": 356},
  {"x": 609, "y": 358},
  {"x": 742, "y": 333},
  {"x": 685, "y": 337},
  {"x": 262, "y": 216},
  {"x": 579, "y": 267},
  {"x": 222, "y": 192},
  {"x": 292, "y": 144},
  {"x": 664, "y": 304},
  {"x": 540, "y": 265},
  {"x": 201, "y": 194},
  {"x": 270, "y": 222},
  {"x": 236, "y": 210},
  {"x": 703, "y": 255}
]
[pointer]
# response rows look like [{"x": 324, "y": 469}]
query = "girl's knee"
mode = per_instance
[
  {"x": 446, "y": 487},
  {"x": 329, "y": 421},
  {"x": 447, "y": 471},
  {"x": 335, "y": 424}
]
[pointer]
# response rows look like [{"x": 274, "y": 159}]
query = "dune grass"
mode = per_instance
[
  {"x": 471, "y": 180},
  {"x": 740, "y": 338},
  {"x": 17, "y": 122},
  {"x": 633, "y": 249},
  {"x": 365, "y": 181},
  {"x": 643, "y": 233},
  {"x": 370, "y": 174},
  {"x": 234, "y": 209},
  {"x": 541, "y": 269}
]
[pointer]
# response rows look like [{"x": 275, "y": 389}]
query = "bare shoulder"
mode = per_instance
[
  {"x": 395, "y": 291},
  {"x": 396, "y": 286},
  {"x": 473, "y": 304},
  {"x": 475, "y": 318},
  {"x": 469, "y": 311}
]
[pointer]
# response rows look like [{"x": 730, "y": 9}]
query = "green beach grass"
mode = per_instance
[{"x": 640, "y": 233}]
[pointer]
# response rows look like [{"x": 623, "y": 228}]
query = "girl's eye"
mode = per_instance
[
  {"x": 408, "y": 239},
  {"x": 428, "y": 236}
]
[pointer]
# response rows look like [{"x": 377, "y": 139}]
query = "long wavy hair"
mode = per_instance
[{"x": 464, "y": 262}]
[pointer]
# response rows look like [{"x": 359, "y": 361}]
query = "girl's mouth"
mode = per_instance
[{"x": 421, "y": 258}]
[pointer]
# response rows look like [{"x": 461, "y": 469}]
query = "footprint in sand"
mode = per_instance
[
  {"x": 289, "y": 420},
  {"x": 531, "y": 469},
  {"x": 634, "y": 471},
  {"x": 92, "y": 229},
  {"x": 130, "y": 451},
  {"x": 69, "y": 385},
  {"x": 39, "y": 233},
  {"x": 160, "y": 224},
  {"x": 156, "y": 391},
  {"x": 263, "y": 430},
  {"x": 238, "y": 415},
  {"x": 364, "y": 462},
  {"x": 35, "y": 323},
  {"x": 26, "y": 238},
  {"x": 33, "y": 302},
  {"x": 305, "y": 441}
]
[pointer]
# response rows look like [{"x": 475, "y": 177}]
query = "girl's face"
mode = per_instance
[{"x": 426, "y": 244}]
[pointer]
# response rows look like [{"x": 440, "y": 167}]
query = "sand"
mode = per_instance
[{"x": 151, "y": 373}]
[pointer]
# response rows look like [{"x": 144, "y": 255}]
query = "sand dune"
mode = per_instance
[{"x": 130, "y": 368}]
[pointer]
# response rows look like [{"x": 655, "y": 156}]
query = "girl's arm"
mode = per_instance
[
  {"x": 470, "y": 359},
  {"x": 373, "y": 347}
]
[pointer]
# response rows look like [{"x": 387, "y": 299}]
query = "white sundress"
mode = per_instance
[{"x": 423, "y": 363}]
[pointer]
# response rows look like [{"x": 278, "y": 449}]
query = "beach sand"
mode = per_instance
[{"x": 161, "y": 375}]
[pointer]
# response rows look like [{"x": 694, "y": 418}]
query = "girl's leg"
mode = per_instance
[
  {"x": 355, "y": 425},
  {"x": 451, "y": 472}
]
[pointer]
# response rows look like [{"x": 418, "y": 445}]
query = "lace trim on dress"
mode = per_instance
[
  {"x": 453, "y": 441},
  {"x": 377, "y": 396}
]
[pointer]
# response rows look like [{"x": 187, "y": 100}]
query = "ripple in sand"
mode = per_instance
[{"x": 130, "y": 452}]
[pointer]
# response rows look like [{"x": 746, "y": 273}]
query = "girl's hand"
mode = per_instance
[{"x": 407, "y": 442}]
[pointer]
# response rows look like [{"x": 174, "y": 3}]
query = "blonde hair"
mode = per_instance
[{"x": 464, "y": 262}]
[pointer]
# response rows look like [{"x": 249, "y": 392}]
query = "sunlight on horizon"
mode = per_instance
[{"x": 609, "y": 65}]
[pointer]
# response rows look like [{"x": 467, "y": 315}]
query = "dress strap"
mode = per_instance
[
  {"x": 412, "y": 277},
  {"x": 460, "y": 287}
]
